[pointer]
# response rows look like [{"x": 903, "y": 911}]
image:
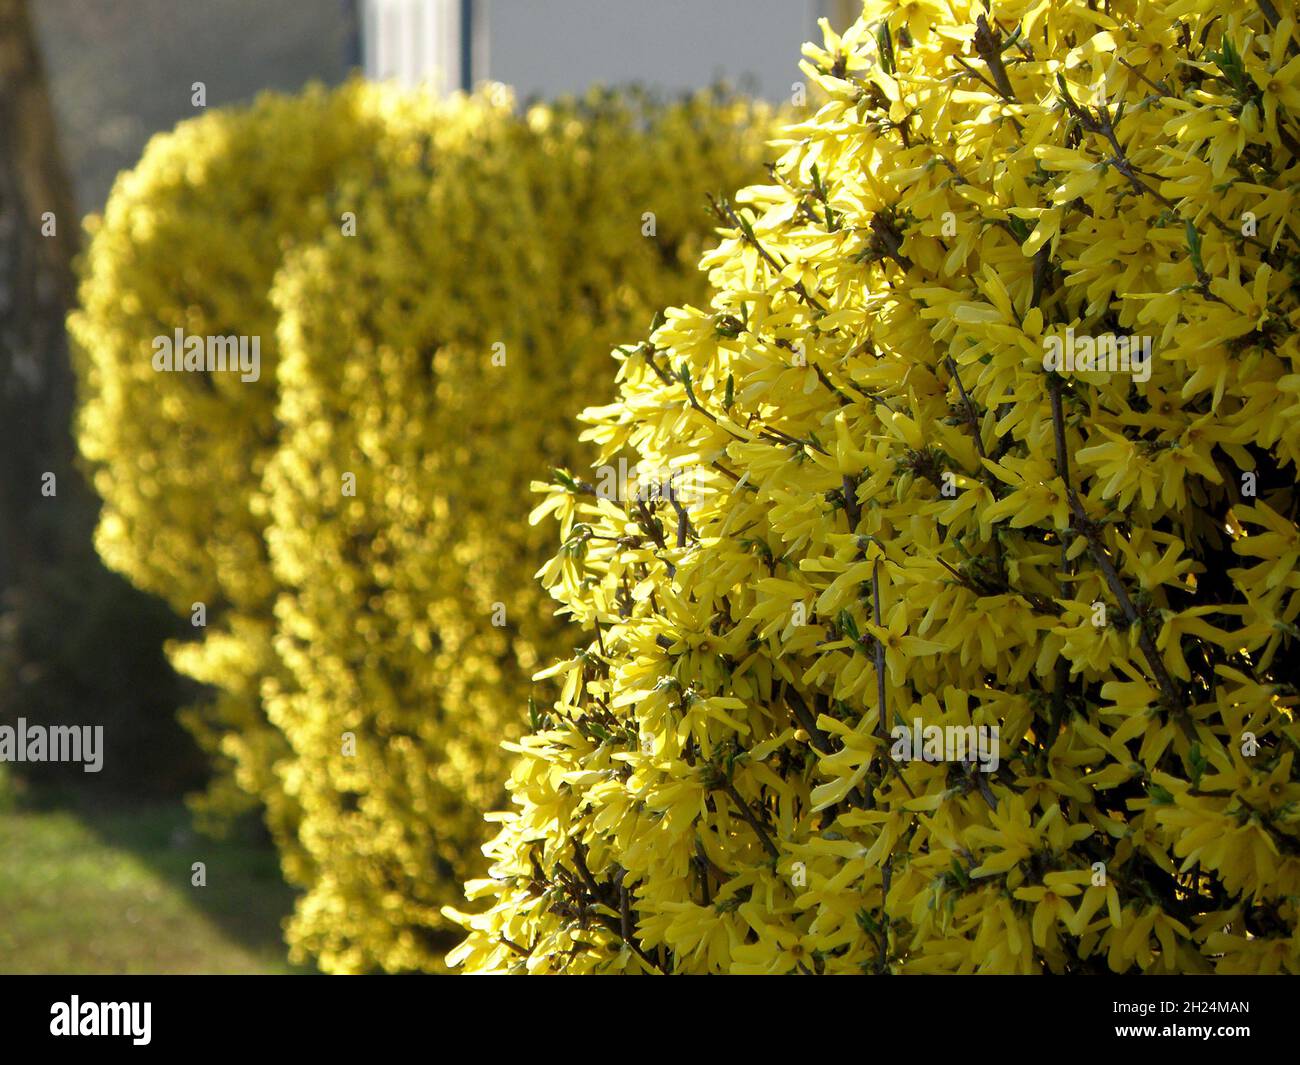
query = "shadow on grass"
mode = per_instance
[{"x": 91, "y": 885}]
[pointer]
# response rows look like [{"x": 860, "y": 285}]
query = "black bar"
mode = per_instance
[{"x": 999, "y": 1016}]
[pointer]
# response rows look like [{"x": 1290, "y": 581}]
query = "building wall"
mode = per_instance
[
  {"x": 562, "y": 46},
  {"x": 550, "y": 47},
  {"x": 411, "y": 41},
  {"x": 122, "y": 70}
]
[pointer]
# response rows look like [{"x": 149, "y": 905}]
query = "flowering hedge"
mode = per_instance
[
  {"x": 938, "y": 488},
  {"x": 433, "y": 285}
]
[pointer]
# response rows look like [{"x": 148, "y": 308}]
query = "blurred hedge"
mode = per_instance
[{"x": 436, "y": 286}]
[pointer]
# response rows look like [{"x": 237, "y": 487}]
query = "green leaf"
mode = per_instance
[{"x": 886, "y": 48}]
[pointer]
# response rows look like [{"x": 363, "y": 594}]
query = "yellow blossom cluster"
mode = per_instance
[{"x": 989, "y": 430}]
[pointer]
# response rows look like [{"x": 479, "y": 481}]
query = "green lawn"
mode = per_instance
[{"x": 108, "y": 891}]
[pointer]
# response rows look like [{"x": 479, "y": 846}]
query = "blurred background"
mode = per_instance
[{"x": 96, "y": 869}]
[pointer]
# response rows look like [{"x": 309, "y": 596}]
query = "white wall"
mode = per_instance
[
  {"x": 549, "y": 47},
  {"x": 411, "y": 41}
]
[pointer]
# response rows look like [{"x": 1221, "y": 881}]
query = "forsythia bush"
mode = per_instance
[
  {"x": 435, "y": 283},
  {"x": 191, "y": 239},
  {"x": 899, "y": 492},
  {"x": 436, "y": 358}
]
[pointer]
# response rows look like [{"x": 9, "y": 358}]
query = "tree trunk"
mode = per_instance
[{"x": 38, "y": 238}]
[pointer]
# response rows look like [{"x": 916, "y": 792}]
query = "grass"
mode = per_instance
[{"x": 108, "y": 891}]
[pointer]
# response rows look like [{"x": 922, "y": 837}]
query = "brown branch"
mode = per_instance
[
  {"x": 1061, "y": 669},
  {"x": 988, "y": 43},
  {"x": 1097, "y": 548},
  {"x": 608, "y": 921},
  {"x": 749, "y": 817}
]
